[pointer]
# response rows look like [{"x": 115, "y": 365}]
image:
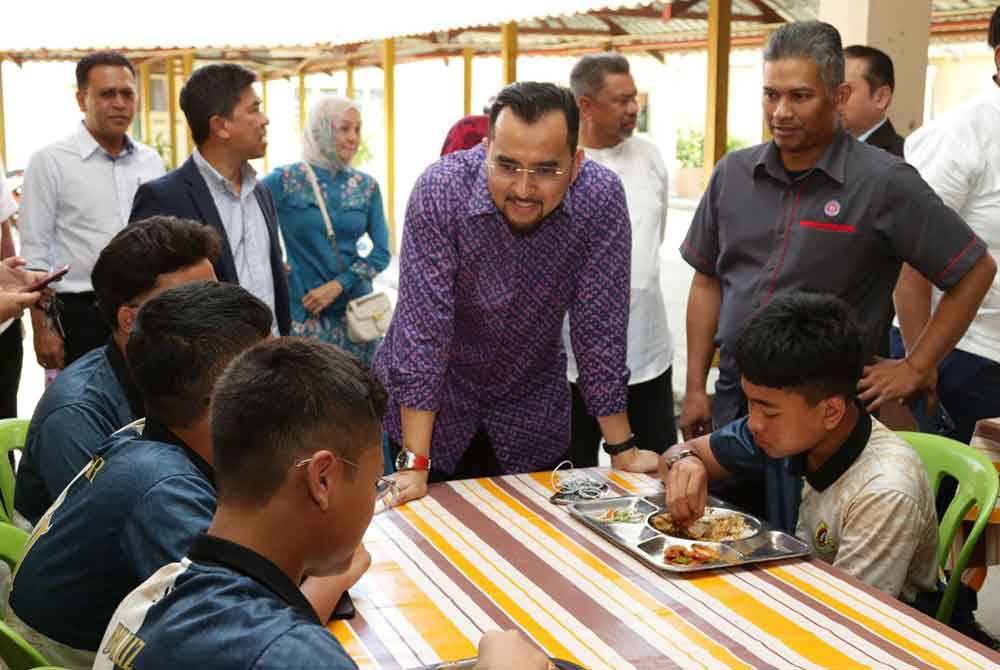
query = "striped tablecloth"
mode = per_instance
[{"x": 484, "y": 554}]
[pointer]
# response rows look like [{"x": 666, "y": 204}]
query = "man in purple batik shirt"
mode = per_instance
[{"x": 500, "y": 242}]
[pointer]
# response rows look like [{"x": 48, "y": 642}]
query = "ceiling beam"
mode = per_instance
[
  {"x": 613, "y": 28},
  {"x": 678, "y": 9},
  {"x": 585, "y": 32},
  {"x": 767, "y": 13},
  {"x": 749, "y": 18},
  {"x": 647, "y": 12}
]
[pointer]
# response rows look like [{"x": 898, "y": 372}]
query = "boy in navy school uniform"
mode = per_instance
[
  {"x": 837, "y": 477},
  {"x": 296, "y": 433},
  {"x": 144, "y": 496}
]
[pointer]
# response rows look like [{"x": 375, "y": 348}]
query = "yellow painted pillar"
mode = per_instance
[
  {"x": 302, "y": 101},
  {"x": 172, "y": 107},
  {"x": 717, "y": 109},
  {"x": 467, "y": 80},
  {"x": 3, "y": 126},
  {"x": 508, "y": 51},
  {"x": 146, "y": 92},
  {"x": 350, "y": 81},
  {"x": 263, "y": 108},
  {"x": 187, "y": 67},
  {"x": 389, "y": 99}
]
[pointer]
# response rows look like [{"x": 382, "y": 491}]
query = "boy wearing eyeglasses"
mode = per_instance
[
  {"x": 144, "y": 496},
  {"x": 296, "y": 435}
]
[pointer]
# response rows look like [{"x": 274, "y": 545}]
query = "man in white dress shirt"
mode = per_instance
[
  {"x": 959, "y": 156},
  {"x": 606, "y": 95},
  {"x": 77, "y": 194}
]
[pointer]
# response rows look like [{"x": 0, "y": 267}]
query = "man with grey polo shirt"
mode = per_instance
[
  {"x": 814, "y": 210},
  {"x": 77, "y": 195}
]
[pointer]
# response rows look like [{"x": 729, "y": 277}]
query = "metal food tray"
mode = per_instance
[{"x": 648, "y": 544}]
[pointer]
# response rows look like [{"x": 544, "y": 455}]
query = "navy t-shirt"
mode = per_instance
[
  {"x": 137, "y": 506},
  {"x": 224, "y": 607},
  {"x": 734, "y": 449},
  {"x": 88, "y": 401}
]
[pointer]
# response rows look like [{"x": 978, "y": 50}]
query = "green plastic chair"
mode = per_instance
[
  {"x": 12, "y": 541},
  {"x": 12, "y": 544},
  {"x": 978, "y": 485},
  {"x": 16, "y": 652},
  {"x": 12, "y": 433}
]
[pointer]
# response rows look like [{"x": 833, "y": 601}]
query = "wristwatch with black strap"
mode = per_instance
[{"x": 621, "y": 447}]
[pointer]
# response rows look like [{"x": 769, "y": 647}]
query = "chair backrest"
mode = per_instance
[
  {"x": 12, "y": 543},
  {"x": 16, "y": 652},
  {"x": 12, "y": 434},
  {"x": 978, "y": 484}
]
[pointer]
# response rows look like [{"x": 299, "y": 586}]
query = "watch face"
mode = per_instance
[{"x": 401, "y": 460}]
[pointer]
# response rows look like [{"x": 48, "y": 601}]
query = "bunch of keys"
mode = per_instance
[{"x": 575, "y": 487}]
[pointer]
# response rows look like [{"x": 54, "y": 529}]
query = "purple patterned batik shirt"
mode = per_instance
[{"x": 476, "y": 333}]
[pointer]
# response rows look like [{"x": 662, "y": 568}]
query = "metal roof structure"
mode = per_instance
[{"x": 317, "y": 36}]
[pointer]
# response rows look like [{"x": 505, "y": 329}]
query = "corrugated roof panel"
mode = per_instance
[{"x": 330, "y": 25}]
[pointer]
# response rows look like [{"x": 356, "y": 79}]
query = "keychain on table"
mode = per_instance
[{"x": 574, "y": 485}]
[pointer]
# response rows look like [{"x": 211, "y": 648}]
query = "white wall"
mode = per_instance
[{"x": 39, "y": 107}]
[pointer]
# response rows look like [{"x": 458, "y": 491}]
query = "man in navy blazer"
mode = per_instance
[
  {"x": 217, "y": 186},
  {"x": 870, "y": 74}
]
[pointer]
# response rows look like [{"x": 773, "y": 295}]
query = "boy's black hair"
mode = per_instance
[
  {"x": 282, "y": 399},
  {"x": 806, "y": 342}
]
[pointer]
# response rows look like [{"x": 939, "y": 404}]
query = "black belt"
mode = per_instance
[{"x": 86, "y": 296}]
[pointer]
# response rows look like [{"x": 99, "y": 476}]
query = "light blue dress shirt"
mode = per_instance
[
  {"x": 245, "y": 227},
  {"x": 76, "y": 197}
]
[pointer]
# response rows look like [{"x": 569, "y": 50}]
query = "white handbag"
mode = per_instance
[{"x": 367, "y": 317}]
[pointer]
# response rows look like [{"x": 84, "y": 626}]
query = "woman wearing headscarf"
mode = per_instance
[{"x": 320, "y": 284}]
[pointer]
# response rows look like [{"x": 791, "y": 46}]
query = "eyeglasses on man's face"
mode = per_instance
[
  {"x": 511, "y": 171},
  {"x": 386, "y": 490}
]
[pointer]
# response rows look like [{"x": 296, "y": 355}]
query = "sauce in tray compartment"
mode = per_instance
[{"x": 696, "y": 554}]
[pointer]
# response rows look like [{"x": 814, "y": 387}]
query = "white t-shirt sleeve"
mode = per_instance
[
  {"x": 879, "y": 536},
  {"x": 8, "y": 207},
  {"x": 951, "y": 164}
]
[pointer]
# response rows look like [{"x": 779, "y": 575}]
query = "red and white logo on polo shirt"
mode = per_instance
[{"x": 832, "y": 208}]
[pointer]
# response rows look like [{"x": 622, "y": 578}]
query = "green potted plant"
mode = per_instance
[
  {"x": 692, "y": 176},
  {"x": 690, "y": 179}
]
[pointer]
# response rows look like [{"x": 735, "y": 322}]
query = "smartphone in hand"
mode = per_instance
[
  {"x": 344, "y": 608},
  {"x": 48, "y": 279}
]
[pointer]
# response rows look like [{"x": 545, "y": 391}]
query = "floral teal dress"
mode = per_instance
[{"x": 354, "y": 203}]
